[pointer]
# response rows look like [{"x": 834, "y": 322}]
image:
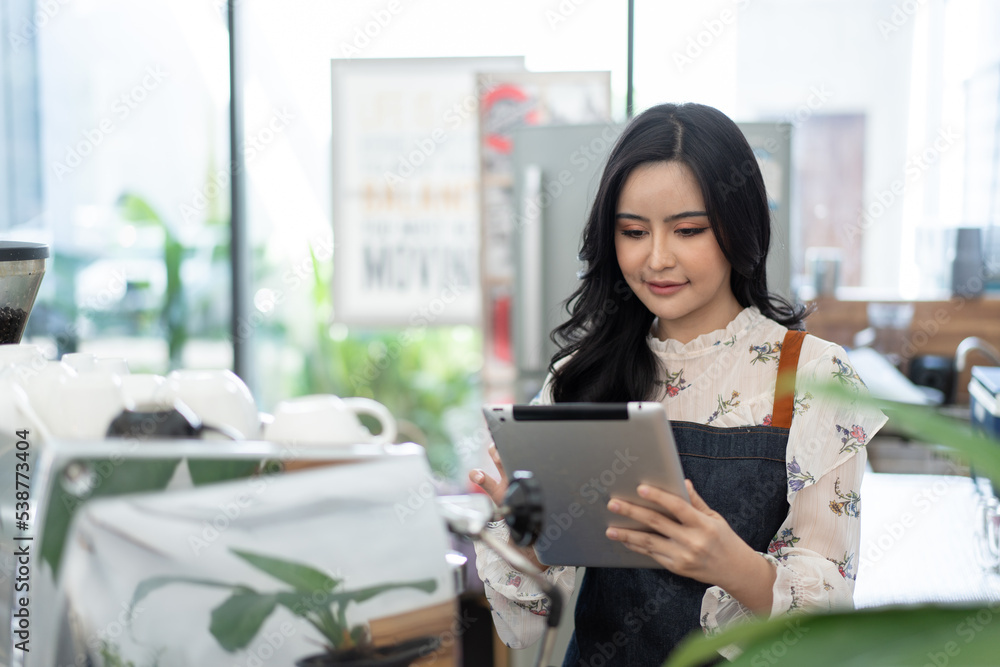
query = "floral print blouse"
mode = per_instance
[{"x": 726, "y": 378}]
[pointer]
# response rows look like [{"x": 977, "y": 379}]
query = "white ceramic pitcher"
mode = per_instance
[{"x": 326, "y": 419}]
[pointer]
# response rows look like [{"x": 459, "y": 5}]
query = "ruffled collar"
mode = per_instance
[{"x": 743, "y": 322}]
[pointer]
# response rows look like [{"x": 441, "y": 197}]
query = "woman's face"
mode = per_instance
[{"x": 668, "y": 253}]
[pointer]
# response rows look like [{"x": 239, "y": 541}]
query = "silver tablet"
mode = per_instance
[{"x": 582, "y": 454}]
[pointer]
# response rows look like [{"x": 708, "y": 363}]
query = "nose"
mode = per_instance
[{"x": 661, "y": 255}]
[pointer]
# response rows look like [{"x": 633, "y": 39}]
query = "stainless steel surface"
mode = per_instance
[
  {"x": 974, "y": 344},
  {"x": 459, "y": 564},
  {"x": 531, "y": 324}
]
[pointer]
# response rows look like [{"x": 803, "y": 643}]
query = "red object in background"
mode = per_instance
[
  {"x": 501, "y": 329},
  {"x": 502, "y": 95}
]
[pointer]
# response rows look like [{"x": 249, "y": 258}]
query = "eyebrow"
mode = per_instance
[{"x": 670, "y": 218}]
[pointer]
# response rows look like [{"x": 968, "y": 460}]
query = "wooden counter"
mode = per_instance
[{"x": 937, "y": 328}]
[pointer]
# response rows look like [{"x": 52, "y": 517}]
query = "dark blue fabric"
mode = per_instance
[{"x": 635, "y": 617}]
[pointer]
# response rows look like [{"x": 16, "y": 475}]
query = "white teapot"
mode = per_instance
[{"x": 326, "y": 419}]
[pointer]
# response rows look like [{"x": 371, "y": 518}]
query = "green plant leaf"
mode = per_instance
[
  {"x": 210, "y": 471},
  {"x": 135, "y": 209},
  {"x": 147, "y": 586},
  {"x": 240, "y": 617},
  {"x": 302, "y": 603},
  {"x": 363, "y": 594},
  {"x": 310, "y": 605},
  {"x": 305, "y": 603},
  {"x": 302, "y": 578},
  {"x": 929, "y": 634},
  {"x": 359, "y": 635}
]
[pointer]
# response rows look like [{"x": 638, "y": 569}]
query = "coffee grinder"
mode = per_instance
[{"x": 22, "y": 266}]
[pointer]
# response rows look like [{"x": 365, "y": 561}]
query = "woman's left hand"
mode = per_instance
[{"x": 699, "y": 544}]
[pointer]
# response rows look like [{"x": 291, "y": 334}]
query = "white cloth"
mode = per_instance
[{"x": 726, "y": 379}]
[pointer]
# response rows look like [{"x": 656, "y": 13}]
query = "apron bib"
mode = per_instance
[{"x": 635, "y": 617}]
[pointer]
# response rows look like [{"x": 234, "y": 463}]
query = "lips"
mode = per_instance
[{"x": 665, "y": 287}]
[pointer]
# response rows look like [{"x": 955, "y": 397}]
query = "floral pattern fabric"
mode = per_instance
[{"x": 718, "y": 382}]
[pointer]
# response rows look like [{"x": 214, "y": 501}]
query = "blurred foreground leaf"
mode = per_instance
[{"x": 896, "y": 636}]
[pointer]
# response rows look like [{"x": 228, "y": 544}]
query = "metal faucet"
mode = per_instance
[{"x": 974, "y": 343}]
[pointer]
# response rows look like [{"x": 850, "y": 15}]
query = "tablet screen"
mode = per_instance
[{"x": 582, "y": 454}]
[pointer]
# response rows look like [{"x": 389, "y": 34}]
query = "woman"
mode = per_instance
[{"x": 674, "y": 306}]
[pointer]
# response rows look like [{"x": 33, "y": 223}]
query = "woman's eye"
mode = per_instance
[
  {"x": 633, "y": 233},
  {"x": 691, "y": 231}
]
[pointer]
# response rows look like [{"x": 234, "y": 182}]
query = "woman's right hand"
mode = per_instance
[{"x": 496, "y": 488}]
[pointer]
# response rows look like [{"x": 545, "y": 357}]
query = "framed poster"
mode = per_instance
[{"x": 406, "y": 213}]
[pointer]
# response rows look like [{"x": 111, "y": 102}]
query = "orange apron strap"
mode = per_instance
[{"x": 784, "y": 390}]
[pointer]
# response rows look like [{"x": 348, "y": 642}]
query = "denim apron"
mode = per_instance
[{"x": 635, "y": 617}]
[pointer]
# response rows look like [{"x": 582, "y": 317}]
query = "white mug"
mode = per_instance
[
  {"x": 42, "y": 385},
  {"x": 21, "y": 354},
  {"x": 81, "y": 362},
  {"x": 83, "y": 405},
  {"x": 219, "y": 398},
  {"x": 116, "y": 365},
  {"x": 325, "y": 419},
  {"x": 18, "y": 421},
  {"x": 143, "y": 388}
]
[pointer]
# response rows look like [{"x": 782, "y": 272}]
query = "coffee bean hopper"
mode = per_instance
[{"x": 22, "y": 266}]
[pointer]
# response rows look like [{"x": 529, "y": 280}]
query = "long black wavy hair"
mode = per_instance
[{"x": 605, "y": 335}]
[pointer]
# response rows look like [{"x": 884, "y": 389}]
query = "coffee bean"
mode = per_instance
[{"x": 12, "y": 322}]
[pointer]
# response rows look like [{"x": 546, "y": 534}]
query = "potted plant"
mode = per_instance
[
  {"x": 925, "y": 634},
  {"x": 314, "y": 596}
]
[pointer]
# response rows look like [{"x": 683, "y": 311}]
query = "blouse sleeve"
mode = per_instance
[
  {"x": 815, "y": 551},
  {"x": 518, "y": 605}
]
